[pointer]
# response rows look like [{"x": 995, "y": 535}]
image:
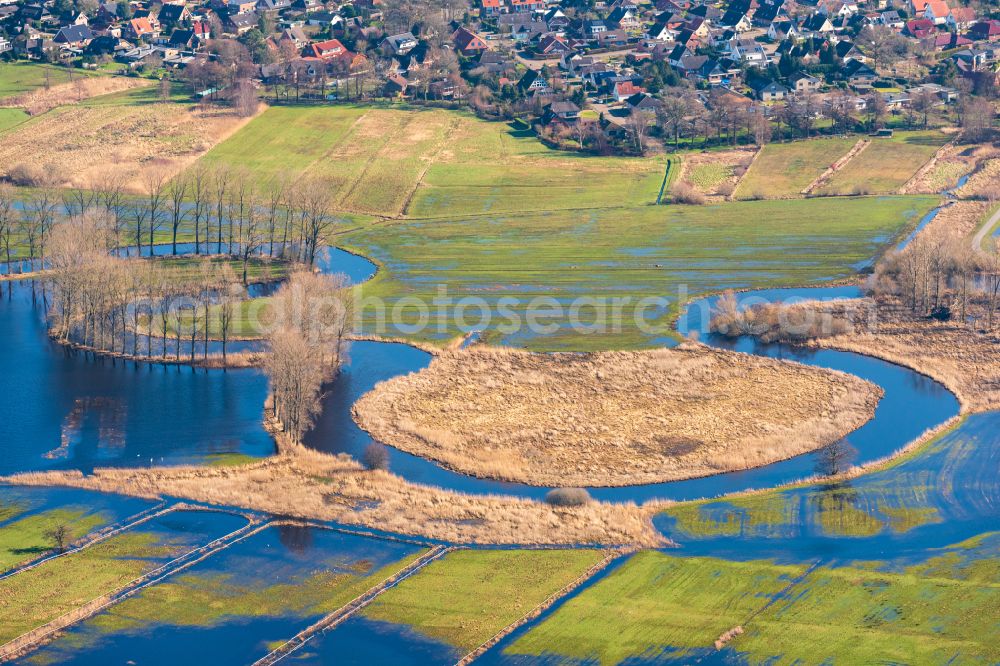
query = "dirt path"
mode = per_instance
[
  {"x": 977, "y": 240},
  {"x": 822, "y": 179}
]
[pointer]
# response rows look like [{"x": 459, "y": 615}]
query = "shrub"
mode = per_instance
[
  {"x": 376, "y": 456},
  {"x": 683, "y": 193},
  {"x": 29, "y": 175},
  {"x": 567, "y": 497}
]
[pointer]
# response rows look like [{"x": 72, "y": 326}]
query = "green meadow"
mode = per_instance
[
  {"x": 19, "y": 77},
  {"x": 663, "y": 254},
  {"x": 785, "y": 169},
  {"x": 939, "y": 611},
  {"x": 27, "y": 537},
  {"x": 468, "y": 596},
  {"x": 886, "y": 164}
]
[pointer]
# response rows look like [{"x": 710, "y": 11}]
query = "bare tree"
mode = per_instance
[
  {"x": 8, "y": 221},
  {"x": 176, "y": 194},
  {"x": 153, "y": 183},
  {"x": 199, "y": 203},
  {"x": 315, "y": 200},
  {"x": 59, "y": 536}
]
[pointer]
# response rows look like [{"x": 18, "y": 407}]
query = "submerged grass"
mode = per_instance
[{"x": 469, "y": 596}]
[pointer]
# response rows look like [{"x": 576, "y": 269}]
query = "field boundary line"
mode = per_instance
[
  {"x": 32, "y": 639},
  {"x": 841, "y": 162},
  {"x": 335, "y": 618},
  {"x": 924, "y": 169},
  {"x": 666, "y": 177},
  {"x": 452, "y": 126},
  {"x": 739, "y": 181},
  {"x": 389, "y": 137},
  {"x": 609, "y": 557},
  {"x": 97, "y": 536}
]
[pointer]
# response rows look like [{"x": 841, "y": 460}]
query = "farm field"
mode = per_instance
[
  {"x": 667, "y": 253},
  {"x": 20, "y": 77},
  {"x": 785, "y": 169},
  {"x": 26, "y": 537},
  {"x": 886, "y": 164},
  {"x": 61, "y": 585},
  {"x": 468, "y": 596},
  {"x": 658, "y": 606},
  {"x": 655, "y": 605},
  {"x": 375, "y": 160},
  {"x": 128, "y": 134},
  {"x": 11, "y": 117}
]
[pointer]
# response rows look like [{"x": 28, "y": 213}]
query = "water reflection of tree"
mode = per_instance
[{"x": 296, "y": 538}]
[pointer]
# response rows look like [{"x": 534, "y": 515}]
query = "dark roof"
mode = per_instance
[
  {"x": 73, "y": 33},
  {"x": 181, "y": 37},
  {"x": 171, "y": 13}
]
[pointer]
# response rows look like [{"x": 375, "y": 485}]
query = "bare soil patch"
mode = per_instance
[
  {"x": 40, "y": 100},
  {"x": 81, "y": 145},
  {"x": 613, "y": 418}
]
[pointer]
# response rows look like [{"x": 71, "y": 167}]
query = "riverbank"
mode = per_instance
[
  {"x": 302, "y": 483},
  {"x": 613, "y": 418}
]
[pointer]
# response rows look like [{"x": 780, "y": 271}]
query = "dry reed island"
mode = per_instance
[{"x": 613, "y": 418}]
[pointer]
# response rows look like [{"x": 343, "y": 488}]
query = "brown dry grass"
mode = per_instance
[
  {"x": 966, "y": 361},
  {"x": 951, "y": 163},
  {"x": 613, "y": 418},
  {"x": 307, "y": 484},
  {"x": 82, "y": 145},
  {"x": 41, "y": 100},
  {"x": 985, "y": 182}
]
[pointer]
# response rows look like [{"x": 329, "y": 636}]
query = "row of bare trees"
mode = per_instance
[
  {"x": 942, "y": 275},
  {"x": 307, "y": 347},
  {"x": 102, "y": 301},
  {"x": 225, "y": 209}
]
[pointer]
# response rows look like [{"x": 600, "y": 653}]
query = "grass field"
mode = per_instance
[
  {"x": 25, "y": 538},
  {"x": 468, "y": 596},
  {"x": 656, "y": 605},
  {"x": 666, "y": 253},
  {"x": 886, "y": 164},
  {"x": 11, "y": 117},
  {"x": 34, "y": 597},
  {"x": 938, "y": 611},
  {"x": 785, "y": 169},
  {"x": 19, "y": 77},
  {"x": 376, "y": 159}
]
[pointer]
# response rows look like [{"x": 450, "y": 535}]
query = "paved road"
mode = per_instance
[{"x": 977, "y": 240}]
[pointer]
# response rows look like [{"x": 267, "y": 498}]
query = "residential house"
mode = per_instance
[
  {"x": 296, "y": 36},
  {"x": 5, "y": 45},
  {"x": 766, "y": 90},
  {"x": 779, "y": 31},
  {"x": 556, "y": 20},
  {"x": 533, "y": 83},
  {"x": 642, "y": 102},
  {"x": 960, "y": 19},
  {"x": 987, "y": 30},
  {"x": 395, "y": 86},
  {"x": 748, "y": 52},
  {"x": 859, "y": 75},
  {"x": 817, "y": 24},
  {"x": 659, "y": 32},
  {"x": 493, "y": 7},
  {"x": 141, "y": 28},
  {"x": 240, "y": 23},
  {"x": 171, "y": 14},
  {"x": 736, "y": 19},
  {"x": 626, "y": 19},
  {"x": 330, "y": 49},
  {"x": 400, "y": 44},
  {"x": 528, "y": 6},
  {"x": 274, "y": 5},
  {"x": 553, "y": 45},
  {"x": 936, "y": 11},
  {"x": 892, "y": 19},
  {"x": 182, "y": 38},
  {"x": 240, "y": 6},
  {"x": 566, "y": 111},
  {"x": 920, "y": 28},
  {"x": 769, "y": 12},
  {"x": 73, "y": 36},
  {"x": 804, "y": 83},
  {"x": 848, "y": 51},
  {"x": 622, "y": 90},
  {"x": 468, "y": 43}
]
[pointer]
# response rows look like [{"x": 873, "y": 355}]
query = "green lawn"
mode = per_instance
[
  {"x": 25, "y": 538},
  {"x": 663, "y": 253},
  {"x": 939, "y": 611},
  {"x": 785, "y": 169},
  {"x": 468, "y": 596},
  {"x": 886, "y": 164},
  {"x": 19, "y": 77}
]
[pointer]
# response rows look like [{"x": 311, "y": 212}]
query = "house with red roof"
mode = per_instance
[
  {"x": 988, "y": 31},
  {"x": 624, "y": 89},
  {"x": 937, "y": 11},
  {"x": 920, "y": 28},
  {"x": 493, "y": 7},
  {"x": 468, "y": 42},
  {"x": 961, "y": 19}
]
